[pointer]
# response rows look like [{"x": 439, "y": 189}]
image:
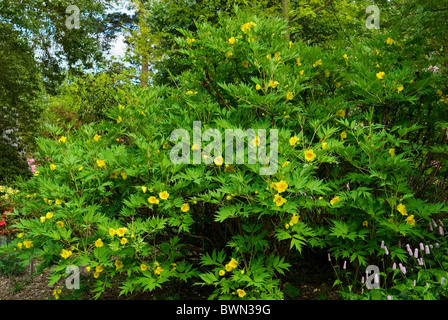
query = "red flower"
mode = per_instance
[{"x": 2, "y": 223}]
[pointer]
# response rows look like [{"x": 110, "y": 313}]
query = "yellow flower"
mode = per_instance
[
  {"x": 228, "y": 198},
  {"x": 241, "y": 293},
  {"x": 233, "y": 263},
  {"x": 60, "y": 224},
  {"x": 247, "y": 26},
  {"x": 256, "y": 141},
  {"x": 20, "y": 244},
  {"x": 153, "y": 200},
  {"x": 289, "y": 95},
  {"x": 400, "y": 88},
  {"x": 439, "y": 92},
  {"x": 345, "y": 56},
  {"x": 231, "y": 40},
  {"x": 62, "y": 139},
  {"x": 80, "y": 168},
  {"x": 96, "y": 275},
  {"x": 279, "y": 200},
  {"x": 123, "y": 175},
  {"x": 410, "y": 220},
  {"x": 158, "y": 271},
  {"x": 119, "y": 119},
  {"x": 324, "y": 145},
  {"x": 258, "y": 87},
  {"x": 66, "y": 253},
  {"x": 49, "y": 215},
  {"x": 301, "y": 72},
  {"x": 143, "y": 267},
  {"x": 340, "y": 113},
  {"x": 285, "y": 164},
  {"x": 164, "y": 195},
  {"x": 99, "y": 269},
  {"x": 190, "y": 40},
  {"x": 124, "y": 241},
  {"x": 52, "y": 166},
  {"x": 218, "y": 160},
  {"x": 317, "y": 63},
  {"x": 298, "y": 62},
  {"x": 245, "y": 64},
  {"x": 99, "y": 243},
  {"x": 392, "y": 152},
  {"x": 228, "y": 267},
  {"x": 88, "y": 268},
  {"x": 380, "y": 75},
  {"x": 294, "y": 219},
  {"x": 327, "y": 74},
  {"x": 120, "y": 107},
  {"x": 293, "y": 141},
  {"x": 144, "y": 189},
  {"x": 334, "y": 200},
  {"x": 290, "y": 44},
  {"x": 96, "y": 137},
  {"x": 28, "y": 243},
  {"x": 42, "y": 219},
  {"x": 365, "y": 224},
  {"x": 118, "y": 264},
  {"x": 121, "y": 231},
  {"x": 389, "y": 41},
  {"x": 268, "y": 56},
  {"x": 309, "y": 155},
  {"x": 338, "y": 84},
  {"x": 58, "y": 202},
  {"x": 343, "y": 135},
  {"x": 222, "y": 272},
  {"x": 36, "y": 173},
  {"x": 273, "y": 84},
  {"x": 281, "y": 186},
  {"x": 185, "y": 207},
  {"x": 287, "y": 226},
  {"x": 402, "y": 209},
  {"x": 100, "y": 163},
  {"x": 277, "y": 56},
  {"x": 20, "y": 235},
  {"x": 112, "y": 232}
]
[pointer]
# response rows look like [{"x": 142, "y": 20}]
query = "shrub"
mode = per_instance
[{"x": 349, "y": 151}]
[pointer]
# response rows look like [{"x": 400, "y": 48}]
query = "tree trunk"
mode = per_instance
[
  {"x": 285, "y": 12},
  {"x": 145, "y": 69}
]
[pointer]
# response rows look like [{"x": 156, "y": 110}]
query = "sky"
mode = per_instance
[{"x": 118, "y": 48}]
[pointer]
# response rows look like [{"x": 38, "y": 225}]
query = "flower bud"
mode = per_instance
[{"x": 416, "y": 253}]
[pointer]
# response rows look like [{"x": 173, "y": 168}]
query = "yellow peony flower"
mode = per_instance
[
  {"x": 189, "y": 40},
  {"x": 96, "y": 137},
  {"x": 42, "y": 219},
  {"x": 153, "y": 200},
  {"x": 302, "y": 72},
  {"x": 324, "y": 145},
  {"x": 410, "y": 220},
  {"x": 164, "y": 195},
  {"x": 96, "y": 275},
  {"x": 124, "y": 241},
  {"x": 309, "y": 155},
  {"x": 144, "y": 189},
  {"x": 294, "y": 219},
  {"x": 143, "y": 267},
  {"x": 100, "y": 163},
  {"x": 118, "y": 264},
  {"x": 20, "y": 244},
  {"x": 334, "y": 200},
  {"x": 49, "y": 215},
  {"x": 281, "y": 186},
  {"x": 245, "y": 64},
  {"x": 279, "y": 200},
  {"x": 273, "y": 84},
  {"x": 112, "y": 232},
  {"x": 293, "y": 141},
  {"x": 380, "y": 75},
  {"x": 258, "y": 87},
  {"x": 241, "y": 293},
  {"x": 88, "y": 268},
  {"x": 53, "y": 166},
  {"x": 80, "y": 168},
  {"x": 233, "y": 263},
  {"x": 402, "y": 209},
  {"x": 60, "y": 224},
  {"x": 392, "y": 152},
  {"x": 158, "y": 271},
  {"x": 99, "y": 269},
  {"x": 222, "y": 272},
  {"x": 298, "y": 62},
  {"x": 277, "y": 56},
  {"x": 231, "y": 40},
  {"x": 185, "y": 207},
  {"x": 317, "y": 63},
  {"x": 389, "y": 41},
  {"x": 99, "y": 243},
  {"x": 400, "y": 88},
  {"x": 340, "y": 113},
  {"x": 218, "y": 160},
  {"x": 28, "y": 243},
  {"x": 343, "y": 135},
  {"x": 121, "y": 231},
  {"x": 65, "y": 253},
  {"x": 289, "y": 95},
  {"x": 62, "y": 139},
  {"x": 228, "y": 267},
  {"x": 119, "y": 119},
  {"x": 247, "y": 26}
]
